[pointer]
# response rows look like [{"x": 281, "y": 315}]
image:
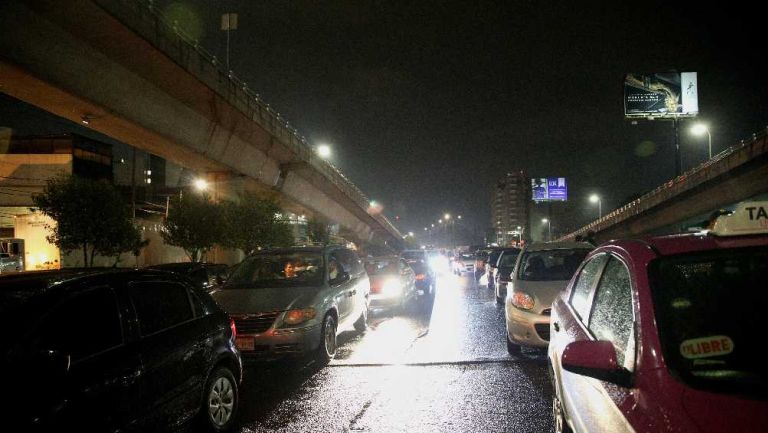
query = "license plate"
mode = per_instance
[{"x": 244, "y": 343}]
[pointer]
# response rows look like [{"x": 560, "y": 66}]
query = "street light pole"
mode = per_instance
[
  {"x": 448, "y": 218},
  {"x": 700, "y": 129},
  {"x": 549, "y": 228},
  {"x": 594, "y": 198}
]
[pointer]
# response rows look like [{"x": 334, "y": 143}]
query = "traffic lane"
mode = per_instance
[
  {"x": 448, "y": 360},
  {"x": 512, "y": 395},
  {"x": 466, "y": 324},
  {"x": 437, "y": 369}
]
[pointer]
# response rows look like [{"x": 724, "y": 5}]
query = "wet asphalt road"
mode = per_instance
[{"x": 441, "y": 371}]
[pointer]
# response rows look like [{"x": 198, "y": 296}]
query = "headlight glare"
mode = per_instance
[{"x": 392, "y": 288}]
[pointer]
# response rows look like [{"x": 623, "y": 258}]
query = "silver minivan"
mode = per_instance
[
  {"x": 542, "y": 271},
  {"x": 295, "y": 301}
]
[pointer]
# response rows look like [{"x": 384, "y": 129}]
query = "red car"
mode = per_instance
[{"x": 663, "y": 334}]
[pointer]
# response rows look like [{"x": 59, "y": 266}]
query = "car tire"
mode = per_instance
[
  {"x": 512, "y": 348},
  {"x": 361, "y": 324},
  {"x": 561, "y": 426},
  {"x": 220, "y": 401},
  {"x": 326, "y": 350}
]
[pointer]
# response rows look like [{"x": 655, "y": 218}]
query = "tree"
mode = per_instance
[
  {"x": 90, "y": 215},
  {"x": 194, "y": 223},
  {"x": 254, "y": 223},
  {"x": 126, "y": 239},
  {"x": 317, "y": 231}
]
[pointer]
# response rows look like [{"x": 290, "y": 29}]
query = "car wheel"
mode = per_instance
[
  {"x": 557, "y": 413},
  {"x": 327, "y": 348},
  {"x": 512, "y": 348},
  {"x": 220, "y": 400},
  {"x": 362, "y": 322}
]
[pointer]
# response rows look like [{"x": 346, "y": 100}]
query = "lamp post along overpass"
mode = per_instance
[
  {"x": 737, "y": 174},
  {"x": 118, "y": 66}
]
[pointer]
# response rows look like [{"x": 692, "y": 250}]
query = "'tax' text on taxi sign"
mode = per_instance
[{"x": 748, "y": 218}]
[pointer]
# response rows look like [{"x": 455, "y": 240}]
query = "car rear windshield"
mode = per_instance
[
  {"x": 493, "y": 258},
  {"x": 508, "y": 259},
  {"x": 419, "y": 267},
  {"x": 380, "y": 267},
  {"x": 413, "y": 255},
  {"x": 551, "y": 265},
  {"x": 708, "y": 307},
  {"x": 278, "y": 269}
]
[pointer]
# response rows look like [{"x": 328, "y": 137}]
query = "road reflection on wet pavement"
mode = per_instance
[{"x": 440, "y": 369}]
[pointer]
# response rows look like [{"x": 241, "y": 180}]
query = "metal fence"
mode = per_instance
[
  {"x": 722, "y": 162},
  {"x": 144, "y": 18}
]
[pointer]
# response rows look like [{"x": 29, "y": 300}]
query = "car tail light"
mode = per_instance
[
  {"x": 232, "y": 327},
  {"x": 375, "y": 287},
  {"x": 421, "y": 277}
]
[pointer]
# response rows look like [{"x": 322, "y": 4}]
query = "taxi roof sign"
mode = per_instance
[{"x": 749, "y": 218}]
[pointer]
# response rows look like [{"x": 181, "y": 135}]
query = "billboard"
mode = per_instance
[
  {"x": 670, "y": 94},
  {"x": 549, "y": 189}
]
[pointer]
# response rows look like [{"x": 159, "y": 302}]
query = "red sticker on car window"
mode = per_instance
[{"x": 706, "y": 347}]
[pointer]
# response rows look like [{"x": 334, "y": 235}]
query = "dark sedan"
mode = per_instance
[
  {"x": 207, "y": 276},
  {"x": 115, "y": 351}
]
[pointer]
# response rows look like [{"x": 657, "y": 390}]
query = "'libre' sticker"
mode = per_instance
[{"x": 706, "y": 347}]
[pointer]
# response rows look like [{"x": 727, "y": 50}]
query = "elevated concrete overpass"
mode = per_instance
[
  {"x": 120, "y": 68},
  {"x": 736, "y": 174}
]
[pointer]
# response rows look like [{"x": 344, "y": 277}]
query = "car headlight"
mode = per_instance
[
  {"x": 392, "y": 288},
  {"x": 522, "y": 300},
  {"x": 295, "y": 317}
]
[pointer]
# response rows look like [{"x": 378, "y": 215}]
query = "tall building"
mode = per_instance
[{"x": 510, "y": 208}]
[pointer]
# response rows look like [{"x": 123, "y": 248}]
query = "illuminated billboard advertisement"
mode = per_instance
[
  {"x": 549, "y": 189},
  {"x": 671, "y": 94}
]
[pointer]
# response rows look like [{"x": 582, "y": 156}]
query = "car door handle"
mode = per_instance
[{"x": 556, "y": 326}]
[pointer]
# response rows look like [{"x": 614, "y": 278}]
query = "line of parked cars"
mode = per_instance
[
  {"x": 650, "y": 335},
  {"x": 131, "y": 350}
]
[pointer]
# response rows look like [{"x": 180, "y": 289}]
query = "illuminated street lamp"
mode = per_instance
[
  {"x": 549, "y": 228},
  {"x": 324, "y": 151},
  {"x": 701, "y": 129},
  {"x": 201, "y": 184},
  {"x": 594, "y": 198}
]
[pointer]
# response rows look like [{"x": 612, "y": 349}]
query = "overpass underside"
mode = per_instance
[{"x": 78, "y": 61}]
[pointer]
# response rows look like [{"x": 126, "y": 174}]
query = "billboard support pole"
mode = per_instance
[{"x": 678, "y": 157}]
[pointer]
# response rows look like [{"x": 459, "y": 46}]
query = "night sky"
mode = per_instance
[{"x": 426, "y": 104}]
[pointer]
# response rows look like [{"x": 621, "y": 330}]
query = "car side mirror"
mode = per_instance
[
  {"x": 595, "y": 359},
  {"x": 341, "y": 278}
]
